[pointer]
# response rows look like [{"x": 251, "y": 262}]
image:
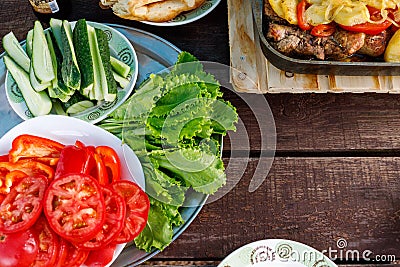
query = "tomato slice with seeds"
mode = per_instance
[
  {"x": 74, "y": 207},
  {"x": 137, "y": 209},
  {"x": 18, "y": 249},
  {"x": 23, "y": 205},
  {"x": 114, "y": 222},
  {"x": 48, "y": 244}
]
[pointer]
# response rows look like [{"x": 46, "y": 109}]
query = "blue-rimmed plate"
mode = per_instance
[
  {"x": 190, "y": 16},
  {"x": 120, "y": 47}
]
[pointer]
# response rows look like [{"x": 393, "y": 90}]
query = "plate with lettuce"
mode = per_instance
[{"x": 174, "y": 122}]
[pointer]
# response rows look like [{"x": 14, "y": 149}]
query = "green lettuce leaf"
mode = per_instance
[
  {"x": 157, "y": 233},
  {"x": 202, "y": 171}
]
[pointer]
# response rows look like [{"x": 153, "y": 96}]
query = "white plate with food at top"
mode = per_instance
[
  {"x": 162, "y": 12},
  {"x": 90, "y": 107},
  {"x": 67, "y": 130}
]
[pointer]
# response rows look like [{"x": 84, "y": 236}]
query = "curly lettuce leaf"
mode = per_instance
[{"x": 201, "y": 170}]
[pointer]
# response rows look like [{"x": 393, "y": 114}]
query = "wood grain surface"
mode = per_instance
[
  {"x": 336, "y": 170},
  {"x": 312, "y": 200}
]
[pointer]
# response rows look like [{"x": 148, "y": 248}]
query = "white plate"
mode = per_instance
[
  {"x": 190, "y": 16},
  {"x": 67, "y": 130},
  {"x": 120, "y": 47},
  {"x": 276, "y": 253}
]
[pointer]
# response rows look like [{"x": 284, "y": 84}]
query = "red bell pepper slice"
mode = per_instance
[
  {"x": 323, "y": 30},
  {"x": 4, "y": 158},
  {"x": 111, "y": 162},
  {"x": 12, "y": 173},
  {"x": 100, "y": 172},
  {"x": 28, "y": 146},
  {"x": 74, "y": 159},
  {"x": 301, "y": 10}
]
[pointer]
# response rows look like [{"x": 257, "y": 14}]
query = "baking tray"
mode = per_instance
[
  {"x": 294, "y": 65},
  {"x": 154, "y": 55}
]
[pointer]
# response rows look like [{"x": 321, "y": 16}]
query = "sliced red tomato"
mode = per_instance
[
  {"x": 323, "y": 30},
  {"x": 301, "y": 10},
  {"x": 101, "y": 257},
  {"x": 18, "y": 249},
  {"x": 62, "y": 252},
  {"x": 48, "y": 244},
  {"x": 74, "y": 159},
  {"x": 137, "y": 209},
  {"x": 35, "y": 147},
  {"x": 111, "y": 161},
  {"x": 115, "y": 219},
  {"x": 23, "y": 205},
  {"x": 70, "y": 255},
  {"x": 369, "y": 27},
  {"x": 74, "y": 207}
]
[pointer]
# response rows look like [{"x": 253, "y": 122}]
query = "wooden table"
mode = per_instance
[{"x": 336, "y": 168}]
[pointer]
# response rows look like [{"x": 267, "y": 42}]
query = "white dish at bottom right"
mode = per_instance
[{"x": 276, "y": 253}]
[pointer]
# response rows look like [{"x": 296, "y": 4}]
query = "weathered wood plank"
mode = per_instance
[
  {"x": 325, "y": 122},
  {"x": 315, "y": 201}
]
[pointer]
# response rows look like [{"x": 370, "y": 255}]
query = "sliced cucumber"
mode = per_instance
[
  {"x": 83, "y": 55},
  {"x": 77, "y": 103},
  {"x": 120, "y": 80},
  {"x": 57, "y": 89},
  {"x": 15, "y": 51},
  {"x": 41, "y": 59},
  {"x": 80, "y": 106},
  {"x": 37, "y": 85},
  {"x": 97, "y": 92},
  {"x": 58, "y": 109},
  {"x": 120, "y": 67},
  {"x": 38, "y": 103},
  {"x": 56, "y": 25},
  {"x": 69, "y": 69},
  {"x": 29, "y": 40},
  {"x": 107, "y": 78}
]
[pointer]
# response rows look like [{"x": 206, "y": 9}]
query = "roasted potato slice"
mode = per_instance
[{"x": 392, "y": 52}]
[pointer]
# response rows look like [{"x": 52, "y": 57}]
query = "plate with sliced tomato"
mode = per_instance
[{"x": 68, "y": 196}]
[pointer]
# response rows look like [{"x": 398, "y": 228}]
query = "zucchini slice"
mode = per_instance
[
  {"x": 120, "y": 67},
  {"x": 107, "y": 77},
  {"x": 69, "y": 69},
  {"x": 38, "y": 103},
  {"x": 83, "y": 55},
  {"x": 41, "y": 59},
  {"x": 77, "y": 103},
  {"x": 15, "y": 51}
]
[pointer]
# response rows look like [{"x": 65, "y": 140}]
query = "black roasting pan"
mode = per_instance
[{"x": 320, "y": 67}]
